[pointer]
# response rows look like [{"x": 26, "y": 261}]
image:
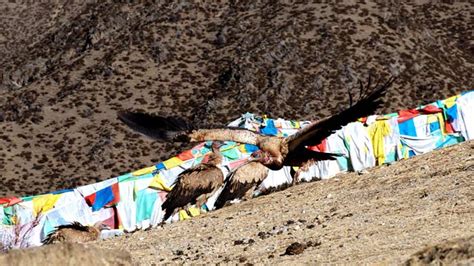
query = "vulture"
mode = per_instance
[
  {"x": 75, "y": 233},
  {"x": 241, "y": 182},
  {"x": 276, "y": 151},
  {"x": 196, "y": 184}
]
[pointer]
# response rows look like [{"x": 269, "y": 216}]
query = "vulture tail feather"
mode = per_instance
[{"x": 222, "y": 199}]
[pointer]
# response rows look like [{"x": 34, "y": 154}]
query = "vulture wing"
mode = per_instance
[
  {"x": 157, "y": 127},
  {"x": 314, "y": 133},
  {"x": 240, "y": 181},
  {"x": 56, "y": 234},
  {"x": 75, "y": 225},
  {"x": 191, "y": 184},
  {"x": 178, "y": 130},
  {"x": 301, "y": 154}
]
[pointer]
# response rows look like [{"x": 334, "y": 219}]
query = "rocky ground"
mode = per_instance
[
  {"x": 419, "y": 210},
  {"x": 67, "y": 67},
  {"x": 66, "y": 254}
]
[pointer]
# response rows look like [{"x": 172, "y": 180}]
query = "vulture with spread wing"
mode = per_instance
[
  {"x": 277, "y": 151},
  {"x": 196, "y": 184}
]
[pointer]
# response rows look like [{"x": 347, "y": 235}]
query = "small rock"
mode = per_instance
[
  {"x": 243, "y": 241},
  {"x": 295, "y": 249},
  {"x": 178, "y": 252},
  {"x": 362, "y": 172},
  {"x": 423, "y": 194},
  {"x": 313, "y": 243},
  {"x": 262, "y": 235}
]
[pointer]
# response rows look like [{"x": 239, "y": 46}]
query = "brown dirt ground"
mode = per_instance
[
  {"x": 459, "y": 250},
  {"x": 381, "y": 217},
  {"x": 65, "y": 254}
]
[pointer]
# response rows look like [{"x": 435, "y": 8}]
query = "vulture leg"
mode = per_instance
[
  {"x": 295, "y": 180},
  {"x": 201, "y": 200},
  {"x": 304, "y": 167},
  {"x": 249, "y": 194}
]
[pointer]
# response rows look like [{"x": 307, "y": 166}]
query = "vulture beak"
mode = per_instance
[{"x": 259, "y": 156}]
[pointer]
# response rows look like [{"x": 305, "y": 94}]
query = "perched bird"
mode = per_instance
[
  {"x": 277, "y": 151},
  {"x": 241, "y": 182},
  {"x": 75, "y": 233},
  {"x": 196, "y": 184}
]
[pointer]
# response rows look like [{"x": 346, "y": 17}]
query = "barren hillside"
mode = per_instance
[{"x": 68, "y": 67}]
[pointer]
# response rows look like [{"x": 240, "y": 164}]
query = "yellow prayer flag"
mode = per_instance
[
  {"x": 159, "y": 183},
  {"x": 144, "y": 171},
  {"x": 183, "y": 215},
  {"x": 451, "y": 101},
  {"x": 44, "y": 203},
  {"x": 194, "y": 211},
  {"x": 172, "y": 162}
]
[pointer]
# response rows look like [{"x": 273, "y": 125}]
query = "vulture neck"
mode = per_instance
[
  {"x": 274, "y": 151},
  {"x": 224, "y": 134},
  {"x": 215, "y": 157}
]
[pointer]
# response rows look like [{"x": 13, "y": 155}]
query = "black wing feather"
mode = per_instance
[
  {"x": 157, "y": 127},
  {"x": 301, "y": 155},
  {"x": 316, "y": 132}
]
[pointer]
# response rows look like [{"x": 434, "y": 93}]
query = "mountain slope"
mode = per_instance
[{"x": 67, "y": 68}]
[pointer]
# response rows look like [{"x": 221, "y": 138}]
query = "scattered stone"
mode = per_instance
[
  {"x": 346, "y": 215},
  {"x": 178, "y": 252},
  {"x": 263, "y": 235},
  {"x": 423, "y": 194},
  {"x": 245, "y": 241},
  {"x": 295, "y": 248},
  {"x": 314, "y": 243}
]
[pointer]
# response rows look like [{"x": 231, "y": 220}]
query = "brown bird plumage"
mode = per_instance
[
  {"x": 196, "y": 184},
  {"x": 74, "y": 233},
  {"x": 277, "y": 151},
  {"x": 241, "y": 182}
]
